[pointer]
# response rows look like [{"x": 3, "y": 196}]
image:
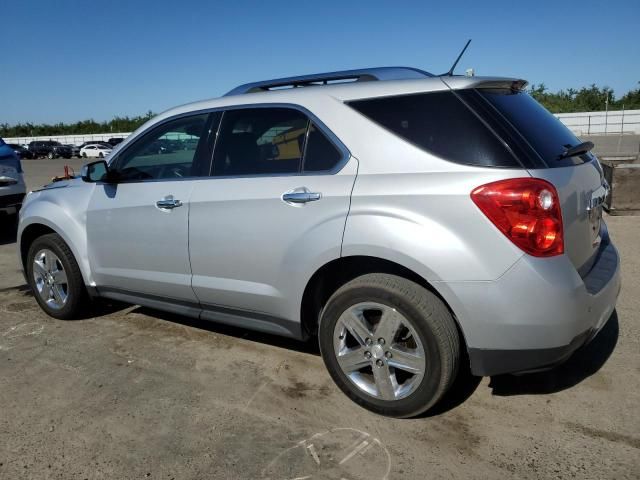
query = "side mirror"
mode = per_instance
[{"x": 95, "y": 172}]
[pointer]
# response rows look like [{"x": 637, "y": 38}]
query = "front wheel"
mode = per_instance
[
  {"x": 55, "y": 278},
  {"x": 50, "y": 156},
  {"x": 84, "y": 154},
  {"x": 389, "y": 344},
  {"x": 101, "y": 155}
]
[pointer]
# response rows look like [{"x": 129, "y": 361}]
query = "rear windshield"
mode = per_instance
[
  {"x": 543, "y": 131},
  {"x": 440, "y": 123}
]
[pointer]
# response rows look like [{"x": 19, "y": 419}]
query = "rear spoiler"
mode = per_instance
[{"x": 513, "y": 84}]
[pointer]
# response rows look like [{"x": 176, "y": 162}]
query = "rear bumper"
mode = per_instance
[{"x": 537, "y": 314}]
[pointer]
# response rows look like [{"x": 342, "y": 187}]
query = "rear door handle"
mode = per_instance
[
  {"x": 168, "y": 203},
  {"x": 301, "y": 197}
]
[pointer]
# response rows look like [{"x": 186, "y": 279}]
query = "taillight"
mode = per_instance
[{"x": 527, "y": 211}]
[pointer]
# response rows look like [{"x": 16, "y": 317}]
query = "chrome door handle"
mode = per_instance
[
  {"x": 301, "y": 197},
  {"x": 168, "y": 203}
]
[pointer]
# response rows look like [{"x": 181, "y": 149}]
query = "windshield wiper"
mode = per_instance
[{"x": 579, "y": 149}]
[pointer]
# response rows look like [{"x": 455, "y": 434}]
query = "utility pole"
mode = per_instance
[{"x": 606, "y": 112}]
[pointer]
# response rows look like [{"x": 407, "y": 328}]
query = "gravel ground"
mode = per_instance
[{"x": 135, "y": 393}]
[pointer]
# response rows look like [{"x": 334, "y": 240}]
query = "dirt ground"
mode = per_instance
[{"x": 135, "y": 393}]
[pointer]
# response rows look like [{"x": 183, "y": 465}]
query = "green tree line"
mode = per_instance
[
  {"x": 117, "y": 124},
  {"x": 586, "y": 99}
]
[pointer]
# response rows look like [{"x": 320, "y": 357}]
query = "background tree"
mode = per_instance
[{"x": 586, "y": 99}]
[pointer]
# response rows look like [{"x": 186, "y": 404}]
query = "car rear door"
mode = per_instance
[
  {"x": 137, "y": 227},
  {"x": 272, "y": 211}
]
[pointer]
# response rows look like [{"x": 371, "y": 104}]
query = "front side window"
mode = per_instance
[
  {"x": 167, "y": 152},
  {"x": 257, "y": 141}
]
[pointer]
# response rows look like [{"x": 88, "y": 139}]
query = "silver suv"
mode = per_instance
[{"x": 409, "y": 221}]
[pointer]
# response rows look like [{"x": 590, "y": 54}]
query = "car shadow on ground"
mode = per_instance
[
  {"x": 310, "y": 346},
  {"x": 463, "y": 387},
  {"x": 585, "y": 362},
  {"x": 97, "y": 308},
  {"x": 8, "y": 230}
]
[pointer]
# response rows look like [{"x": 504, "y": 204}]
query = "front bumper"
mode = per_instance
[
  {"x": 11, "y": 199},
  {"x": 537, "y": 314}
]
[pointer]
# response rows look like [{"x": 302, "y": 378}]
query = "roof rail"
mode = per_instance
[{"x": 361, "y": 75}]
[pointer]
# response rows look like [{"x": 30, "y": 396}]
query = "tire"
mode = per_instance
[
  {"x": 84, "y": 154},
  {"x": 76, "y": 294},
  {"x": 426, "y": 325},
  {"x": 50, "y": 156},
  {"x": 101, "y": 155}
]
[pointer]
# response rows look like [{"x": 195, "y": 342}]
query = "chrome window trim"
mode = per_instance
[{"x": 333, "y": 138}]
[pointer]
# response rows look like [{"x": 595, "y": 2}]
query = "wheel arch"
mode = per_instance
[
  {"x": 332, "y": 275},
  {"x": 28, "y": 236},
  {"x": 39, "y": 226}
]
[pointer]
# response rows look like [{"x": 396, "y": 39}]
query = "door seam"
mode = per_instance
[{"x": 346, "y": 218}]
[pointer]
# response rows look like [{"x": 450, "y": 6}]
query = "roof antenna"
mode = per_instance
[{"x": 450, "y": 72}]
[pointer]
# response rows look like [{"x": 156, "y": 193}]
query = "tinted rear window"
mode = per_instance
[
  {"x": 544, "y": 132},
  {"x": 439, "y": 123}
]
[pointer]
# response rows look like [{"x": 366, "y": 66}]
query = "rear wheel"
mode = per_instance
[
  {"x": 55, "y": 278},
  {"x": 50, "y": 155},
  {"x": 389, "y": 344}
]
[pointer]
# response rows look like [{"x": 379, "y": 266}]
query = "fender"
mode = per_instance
[{"x": 65, "y": 215}]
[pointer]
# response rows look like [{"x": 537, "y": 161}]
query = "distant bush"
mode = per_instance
[
  {"x": 118, "y": 124},
  {"x": 587, "y": 99}
]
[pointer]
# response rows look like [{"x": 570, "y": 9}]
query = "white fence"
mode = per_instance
[
  {"x": 69, "y": 139},
  {"x": 602, "y": 123},
  {"x": 581, "y": 123}
]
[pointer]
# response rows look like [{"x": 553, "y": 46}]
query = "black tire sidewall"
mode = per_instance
[
  {"x": 428, "y": 391},
  {"x": 75, "y": 285}
]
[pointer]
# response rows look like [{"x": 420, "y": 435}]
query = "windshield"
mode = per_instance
[{"x": 541, "y": 129}]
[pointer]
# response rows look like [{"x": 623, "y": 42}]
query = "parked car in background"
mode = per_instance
[
  {"x": 21, "y": 151},
  {"x": 75, "y": 150},
  {"x": 94, "y": 142},
  {"x": 12, "y": 186},
  {"x": 49, "y": 149},
  {"x": 95, "y": 150},
  {"x": 115, "y": 141},
  {"x": 410, "y": 222}
]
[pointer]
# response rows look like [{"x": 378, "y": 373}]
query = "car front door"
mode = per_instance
[
  {"x": 137, "y": 226},
  {"x": 267, "y": 217}
]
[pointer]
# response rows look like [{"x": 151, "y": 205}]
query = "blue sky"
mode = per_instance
[{"x": 71, "y": 60}]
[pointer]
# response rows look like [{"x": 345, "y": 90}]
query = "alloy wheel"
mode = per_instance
[
  {"x": 50, "y": 279},
  {"x": 379, "y": 351}
]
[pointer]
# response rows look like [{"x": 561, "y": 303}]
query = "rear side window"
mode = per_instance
[
  {"x": 255, "y": 141},
  {"x": 441, "y": 124},
  {"x": 544, "y": 132}
]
